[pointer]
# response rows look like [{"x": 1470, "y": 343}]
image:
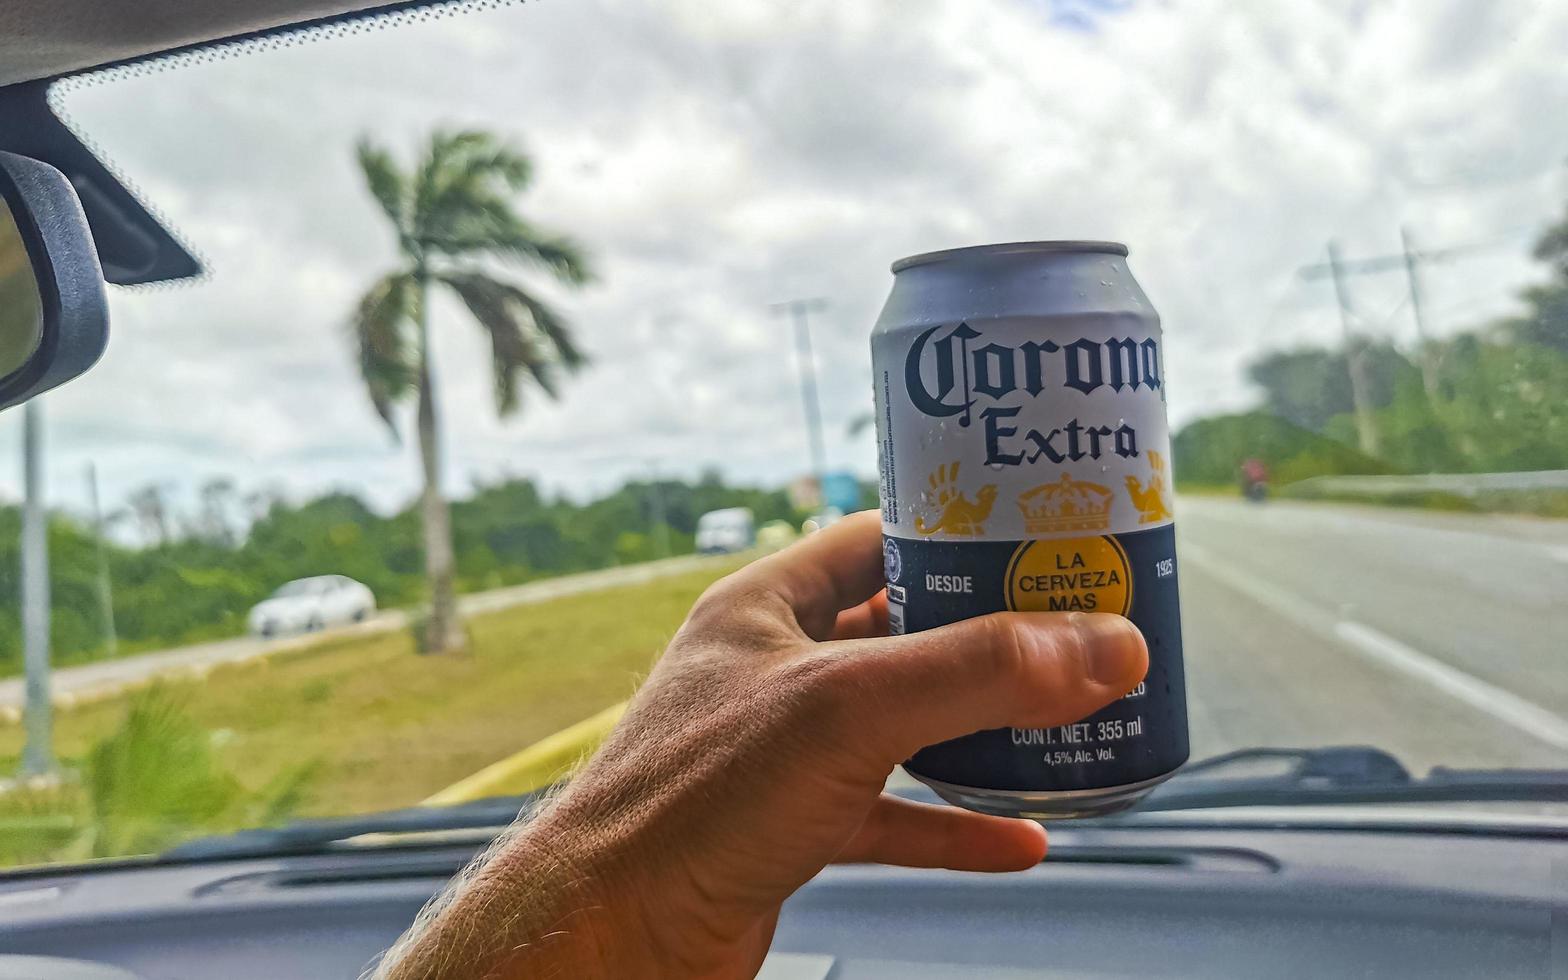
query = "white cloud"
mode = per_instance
[{"x": 719, "y": 158}]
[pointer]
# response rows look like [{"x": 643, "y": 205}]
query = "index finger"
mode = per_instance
[{"x": 834, "y": 569}]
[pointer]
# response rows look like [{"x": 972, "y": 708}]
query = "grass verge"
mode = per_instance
[{"x": 380, "y": 726}]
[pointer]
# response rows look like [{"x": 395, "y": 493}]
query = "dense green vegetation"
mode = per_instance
[
  {"x": 1499, "y": 401},
  {"x": 199, "y": 583},
  {"x": 1208, "y": 451}
]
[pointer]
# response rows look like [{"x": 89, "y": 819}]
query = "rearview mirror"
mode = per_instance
[{"x": 54, "y": 321}]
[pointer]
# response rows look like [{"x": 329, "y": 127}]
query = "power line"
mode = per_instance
[
  {"x": 1409, "y": 259},
  {"x": 1391, "y": 263},
  {"x": 1400, "y": 260},
  {"x": 1278, "y": 304}
]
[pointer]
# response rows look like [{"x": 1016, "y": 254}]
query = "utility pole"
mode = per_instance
[
  {"x": 1355, "y": 349},
  {"x": 661, "y": 526},
  {"x": 1410, "y": 259},
  {"x": 800, "y": 310},
  {"x": 1425, "y": 353},
  {"x": 37, "y": 754},
  {"x": 111, "y": 641}
]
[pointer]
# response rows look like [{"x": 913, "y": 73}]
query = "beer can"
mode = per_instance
[{"x": 1025, "y": 465}]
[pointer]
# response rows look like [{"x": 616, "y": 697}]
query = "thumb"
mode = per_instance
[{"x": 1026, "y": 670}]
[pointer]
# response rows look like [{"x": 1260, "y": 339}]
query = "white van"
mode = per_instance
[{"x": 730, "y": 529}]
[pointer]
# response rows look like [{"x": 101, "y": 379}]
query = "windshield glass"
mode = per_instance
[
  {"x": 299, "y": 588},
  {"x": 655, "y": 304}
]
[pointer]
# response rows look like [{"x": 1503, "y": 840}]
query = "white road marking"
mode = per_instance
[
  {"x": 1558, "y": 554},
  {"x": 1500, "y": 704},
  {"x": 1512, "y": 710}
]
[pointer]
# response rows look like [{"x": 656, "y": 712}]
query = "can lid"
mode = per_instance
[{"x": 1008, "y": 248}]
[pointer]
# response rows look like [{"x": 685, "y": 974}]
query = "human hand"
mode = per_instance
[{"x": 754, "y": 755}]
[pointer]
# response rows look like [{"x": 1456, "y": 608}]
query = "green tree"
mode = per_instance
[
  {"x": 1210, "y": 451},
  {"x": 453, "y": 215},
  {"x": 1310, "y": 385},
  {"x": 1546, "y": 322}
]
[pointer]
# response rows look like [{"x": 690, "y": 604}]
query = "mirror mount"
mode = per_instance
[
  {"x": 133, "y": 246},
  {"x": 46, "y": 342}
]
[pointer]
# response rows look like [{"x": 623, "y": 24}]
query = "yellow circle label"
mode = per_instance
[{"x": 1070, "y": 575}]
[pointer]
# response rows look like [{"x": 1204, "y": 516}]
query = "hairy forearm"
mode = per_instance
[{"x": 534, "y": 907}]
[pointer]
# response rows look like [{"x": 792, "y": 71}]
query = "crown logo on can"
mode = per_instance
[{"x": 1066, "y": 505}]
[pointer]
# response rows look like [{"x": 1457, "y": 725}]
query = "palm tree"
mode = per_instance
[{"x": 453, "y": 216}]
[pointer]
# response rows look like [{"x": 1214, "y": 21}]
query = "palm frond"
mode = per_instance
[
  {"x": 386, "y": 182},
  {"x": 494, "y": 228},
  {"x": 382, "y": 324},
  {"x": 428, "y": 179},
  {"x": 527, "y": 338},
  {"x": 475, "y": 155},
  {"x": 551, "y": 325},
  {"x": 491, "y": 162},
  {"x": 464, "y": 207},
  {"x": 463, "y": 171},
  {"x": 558, "y": 253}
]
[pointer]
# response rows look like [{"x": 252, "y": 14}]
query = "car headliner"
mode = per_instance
[{"x": 45, "y": 38}]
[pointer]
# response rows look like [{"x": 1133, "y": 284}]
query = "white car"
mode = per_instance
[
  {"x": 314, "y": 603},
  {"x": 723, "y": 531}
]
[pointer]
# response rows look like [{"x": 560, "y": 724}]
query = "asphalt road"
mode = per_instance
[
  {"x": 1442, "y": 638},
  {"x": 104, "y": 678}
]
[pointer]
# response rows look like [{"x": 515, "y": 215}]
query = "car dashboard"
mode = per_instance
[{"x": 1171, "y": 898}]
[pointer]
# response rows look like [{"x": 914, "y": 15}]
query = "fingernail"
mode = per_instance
[{"x": 1114, "y": 648}]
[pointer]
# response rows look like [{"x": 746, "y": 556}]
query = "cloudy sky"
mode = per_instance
[{"x": 717, "y": 158}]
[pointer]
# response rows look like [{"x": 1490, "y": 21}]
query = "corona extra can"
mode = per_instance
[{"x": 1025, "y": 465}]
